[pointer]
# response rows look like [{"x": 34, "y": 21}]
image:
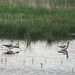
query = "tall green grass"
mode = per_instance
[{"x": 19, "y": 20}]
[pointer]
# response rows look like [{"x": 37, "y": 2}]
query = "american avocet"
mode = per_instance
[
  {"x": 10, "y": 46},
  {"x": 64, "y": 47}
]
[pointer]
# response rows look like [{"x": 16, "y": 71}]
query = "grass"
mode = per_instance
[
  {"x": 43, "y": 3},
  {"x": 20, "y": 20}
]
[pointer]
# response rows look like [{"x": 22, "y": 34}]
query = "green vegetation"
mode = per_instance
[{"x": 48, "y": 22}]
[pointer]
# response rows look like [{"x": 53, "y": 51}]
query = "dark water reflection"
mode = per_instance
[{"x": 37, "y": 58}]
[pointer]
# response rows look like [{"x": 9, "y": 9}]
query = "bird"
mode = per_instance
[
  {"x": 9, "y": 46},
  {"x": 65, "y": 47}
]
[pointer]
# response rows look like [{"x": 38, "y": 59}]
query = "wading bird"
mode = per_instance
[
  {"x": 10, "y": 46},
  {"x": 64, "y": 47}
]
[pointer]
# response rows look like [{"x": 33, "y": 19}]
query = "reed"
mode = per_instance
[{"x": 21, "y": 20}]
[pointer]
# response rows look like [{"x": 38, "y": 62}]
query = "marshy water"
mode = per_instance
[{"x": 37, "y": 58}]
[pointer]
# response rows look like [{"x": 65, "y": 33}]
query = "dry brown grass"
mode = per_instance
[{"x": 44, "y": 3}]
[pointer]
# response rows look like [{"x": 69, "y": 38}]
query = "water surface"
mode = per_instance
[{"x": 37, "y": 58}]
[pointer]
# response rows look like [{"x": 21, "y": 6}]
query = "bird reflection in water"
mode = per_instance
[
  {"x": 65, "y": 52},
  {"x": 3, "y": 60},
  {"x": 28, "y": 47}
]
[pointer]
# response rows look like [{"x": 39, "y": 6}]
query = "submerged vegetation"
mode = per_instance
[{"x": 48, "y": 19}]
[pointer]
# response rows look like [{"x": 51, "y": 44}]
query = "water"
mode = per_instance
[{"x": 37, "y": 58}]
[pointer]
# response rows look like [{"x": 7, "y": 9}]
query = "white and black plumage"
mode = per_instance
[
  {"x": 10, "y": 46},
  {"x": 64, "y": 47}
]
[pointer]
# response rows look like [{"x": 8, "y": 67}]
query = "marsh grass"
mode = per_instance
[{"x": 20, "y": 20}]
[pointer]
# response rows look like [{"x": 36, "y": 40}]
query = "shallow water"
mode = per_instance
[{"x": 37, "y": 58}]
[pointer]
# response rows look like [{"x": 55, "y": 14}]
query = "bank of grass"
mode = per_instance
[{"x": 19, "y": 20}]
